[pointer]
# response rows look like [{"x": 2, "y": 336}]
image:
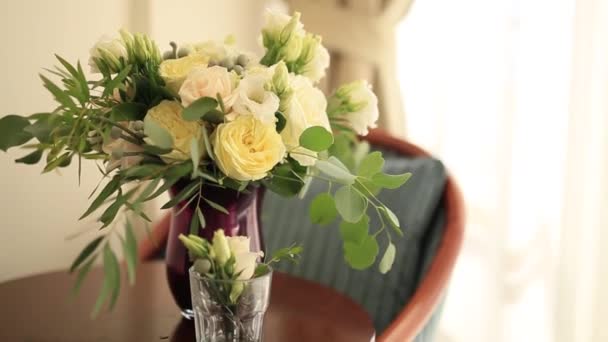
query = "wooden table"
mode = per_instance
[{"x": 41, "y": 309}]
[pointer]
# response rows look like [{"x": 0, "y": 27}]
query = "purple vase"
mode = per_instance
[{"x": 243, "y": 219}]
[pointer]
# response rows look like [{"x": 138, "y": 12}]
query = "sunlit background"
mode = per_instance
[{"x": 509, "y": 94}]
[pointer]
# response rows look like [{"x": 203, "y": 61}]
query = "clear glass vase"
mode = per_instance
[{"x": 229, "y": 311}]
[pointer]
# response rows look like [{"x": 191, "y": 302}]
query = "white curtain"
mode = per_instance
[{"x": 512, "y": 96}]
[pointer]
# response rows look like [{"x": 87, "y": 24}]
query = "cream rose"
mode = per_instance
[
  {"x": 246, "y": 149},
  {"x": 113, "y": 48},
  {"x": 252, "y": 98},
  {"x": 306, "y": 108},
  {"x": 207, "y": 82},
  {"x": 175, "y": 71},
  {"x": 168, "y": 116}
]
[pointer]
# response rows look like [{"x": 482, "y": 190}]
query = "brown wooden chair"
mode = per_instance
[{"x": 412, "y": 319}]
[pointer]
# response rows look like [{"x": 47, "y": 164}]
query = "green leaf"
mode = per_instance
[
  {"x": 194, "y": 223},
  {"x": 207, "y": 143},
  {"x": 355, "y": 232},
  {"x": 110, "y": 213},
  {"x": 216, "y": 206},
  {"x": 213, "y": 116},
  {"x": 350, "y": 204},
  {"x": 186, "y": 193},
  {"x": 61, "y": 161},
  {"x": 151, "y": 149},
  {"x": 117, "y": 81},
  {"x": 60, "y": 95},
  {"x": 78, "y": 76},
  {"x": 82, "y": 273},
  {"x": 111, "y": 270},
  {"x": 158, "y": 135},
  {"x": 371, "y": 165},
  {"x": 197, "y": 109},
  {"x": 286, "y": 179},
  {"x": 316, "y": 138},
  {"x": 335, "y": 170},
  {"x": 153, "y": 184},
  {"x": 31, "y": 158},
  {"x": 392, "y": 219},
  {"x": 361, "y": 255},
  {"x": 85, "y": 253},
  {"x": 323, "y": 209},
  {"x": 130, "y": 248},
  {"x": 291, "y": 254},
  {"x": 201, "y": 217},
  {"x": 166, "y": 185},
  {"x": 390, "y": 181},
  {"x": 128, "y": 111},
  {"x": 12, "y": 131},
  {"x": 343, "y": 150},
  {"x": 386, "y": 263},
  {"x": 42, "y": 128},
  {"x": 195, "y": 155},
  {"x": 281, "y": 121},
  {"x": 110, "y": 188},
  {"x": 142, "y": 171},
  {"x": 101, "y": 298}
]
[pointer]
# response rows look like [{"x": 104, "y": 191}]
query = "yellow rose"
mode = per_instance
[
  {"x": 168, "y": 115},
  {"x": 175, "y": 71},
  {"x": 246, "y": 149}
]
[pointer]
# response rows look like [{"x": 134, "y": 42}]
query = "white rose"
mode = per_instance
[
  {"x": 252, "y": 98},
  {"x": 361, "y": 94},
  {"x": 207, "y": 82},
  {"x": 306, "y": 108},
  {"x": 245, "y": 263},
  {"x": 245, "y": 260},
  {"x": 114, "y": 48},
  {"x": 238, "y": 244}
]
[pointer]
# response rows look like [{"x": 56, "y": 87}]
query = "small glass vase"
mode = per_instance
[{"x": 217, "y": 318}]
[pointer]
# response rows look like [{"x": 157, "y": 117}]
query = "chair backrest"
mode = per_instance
[{"x": 427, "y": 207}]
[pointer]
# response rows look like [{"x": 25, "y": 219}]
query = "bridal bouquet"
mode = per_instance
[{"x": 211, "y": 114}]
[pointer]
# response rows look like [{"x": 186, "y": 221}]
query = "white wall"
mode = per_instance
[{"x": 38, "y": 212}]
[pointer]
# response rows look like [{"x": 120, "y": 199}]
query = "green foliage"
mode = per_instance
[
  {"x": 323, "y": 209},
  {"x": 350, "y": 203},
  {"x": 130, "y": 251},
  {"x": 386, "y": 263},
  {"x": 31, "y": 158},
  {"x": 371, "y": 165},
  {"x": 281, "y": 121},
  {"x": 390, "y": 181},
  {"x": 286, "y": 179},
  {"x": 361, "y": 255},
  {"x": 316, "y": 138},
  {"x": 128, "y": 111},
  {"x": 158, "y": 135},
  {"x": 110, "y": 188},
  {"x": 355, "y": 232},
  {"x": 200, "y": 108},
  {"x": 12, "y": 131},
  {"x": 336, "y": 171},
  {"x": 85, "y": 253}
]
